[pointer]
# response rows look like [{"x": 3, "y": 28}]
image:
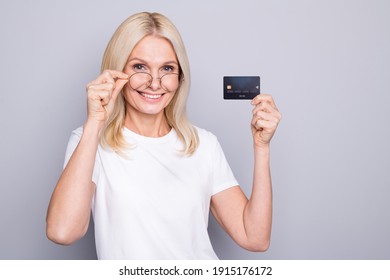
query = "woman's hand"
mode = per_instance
[
  {"x": 265, "y": 120},
  {"x": 102, "y": 93}
]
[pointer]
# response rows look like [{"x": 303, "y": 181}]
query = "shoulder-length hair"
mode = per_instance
[{"x": 125, "y": 38}]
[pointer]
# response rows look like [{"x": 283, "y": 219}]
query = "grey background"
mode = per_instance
[{"x": 327, "y": 64}]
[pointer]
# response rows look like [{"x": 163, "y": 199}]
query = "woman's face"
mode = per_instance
[{"x": 154, "y": 72}]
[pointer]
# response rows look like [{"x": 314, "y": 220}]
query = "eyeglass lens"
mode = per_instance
[{"x": 141, "y": 81}]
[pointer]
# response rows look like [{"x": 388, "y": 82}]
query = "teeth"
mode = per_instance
[{"x": 151, "y": 96}]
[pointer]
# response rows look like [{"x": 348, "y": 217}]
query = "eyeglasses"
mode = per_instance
[{"x": 142, "y": 80}]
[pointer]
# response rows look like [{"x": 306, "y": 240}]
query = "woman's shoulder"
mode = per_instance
[
  {"x": 77, "y": 132},
  {"x": 205, "y": 135}
]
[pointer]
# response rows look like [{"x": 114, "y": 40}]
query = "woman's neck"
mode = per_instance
[{"x": 147, "y": 125}]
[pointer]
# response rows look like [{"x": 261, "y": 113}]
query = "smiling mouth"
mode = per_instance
[{"x": 150, "y": 96}]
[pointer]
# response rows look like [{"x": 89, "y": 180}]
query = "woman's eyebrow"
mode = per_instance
[
  {"x": 171, "y": 62},
  {"x": 138, "y": 59},
  {"x": 145, "y": 62}
]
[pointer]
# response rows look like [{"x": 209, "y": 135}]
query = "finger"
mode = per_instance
[
  {"x": 96, "y": 87},
  {"x": 267, "y": 107},
  {"x": 102, "y": 96},
  {"x": 106, "y": 92},
  {"x": 119, "y": 84},
  {"x": 110, "y": 76},
  {"x": 261, "y": 124},
  {"x": 104, "y": 100},
  {"x": 116, "y": 74},
  {"x": 263, "y": 97},
  {"x": 102, "y": 92},
  {"x": 265, "y": 116},
  {"x": 262, "y": 106}
]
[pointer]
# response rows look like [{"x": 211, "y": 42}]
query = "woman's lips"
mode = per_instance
[{"x": 150, "y": 96}]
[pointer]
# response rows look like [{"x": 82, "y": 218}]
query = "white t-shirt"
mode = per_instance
[{"x": 155, "y": 203}]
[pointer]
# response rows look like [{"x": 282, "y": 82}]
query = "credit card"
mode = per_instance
[{"x": 241, "y": 87}]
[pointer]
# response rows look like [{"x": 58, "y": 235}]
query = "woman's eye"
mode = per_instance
[
  {"x": 139, "y": 67},
  {"x": 168, "y": 68}
]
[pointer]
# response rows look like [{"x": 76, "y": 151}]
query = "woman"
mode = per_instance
[{"x": 148, "y": 175}]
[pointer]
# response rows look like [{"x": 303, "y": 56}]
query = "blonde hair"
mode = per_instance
[{"x": 125, "y": 38}]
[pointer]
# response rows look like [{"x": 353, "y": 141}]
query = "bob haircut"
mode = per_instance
[{"x": 123, "y": 41}]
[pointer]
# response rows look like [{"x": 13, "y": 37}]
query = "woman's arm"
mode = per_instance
[
  {"x": 69, "y": 210},
  {"x": 249, "y": 222}
]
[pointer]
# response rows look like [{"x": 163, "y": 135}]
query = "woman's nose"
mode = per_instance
[{"x": 155, "y": 84}]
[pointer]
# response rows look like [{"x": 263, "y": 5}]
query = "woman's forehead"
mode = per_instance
[{"x": 154, "y": 49}]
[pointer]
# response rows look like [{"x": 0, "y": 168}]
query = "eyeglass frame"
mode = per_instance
[{"x": 179, "y": 75}]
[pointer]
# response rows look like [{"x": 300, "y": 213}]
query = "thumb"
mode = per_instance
[{"x": 119, "y": 84}]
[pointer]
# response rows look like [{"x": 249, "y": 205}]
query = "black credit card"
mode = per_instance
[{"x": 241, "y": 87}]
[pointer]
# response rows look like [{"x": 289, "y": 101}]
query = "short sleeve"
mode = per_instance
[
  {"x": 223, "y": 177},
  {"x": 72, "y": 145}
]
